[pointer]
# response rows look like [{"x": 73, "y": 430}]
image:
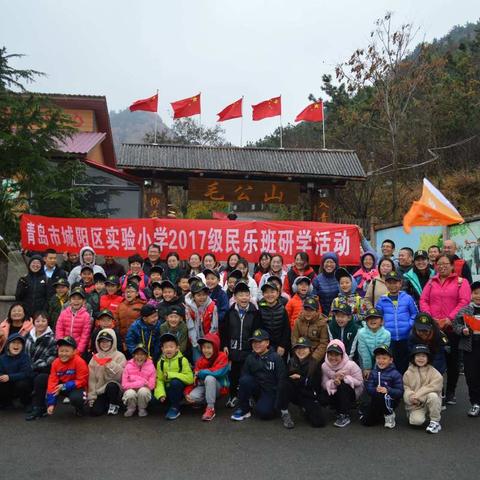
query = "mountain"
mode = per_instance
[{"x": 131, "y": 127}]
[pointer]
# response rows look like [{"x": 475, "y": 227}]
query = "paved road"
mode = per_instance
[{"x": 144, "y": 448}]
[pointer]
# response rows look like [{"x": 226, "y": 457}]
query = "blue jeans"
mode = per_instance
[
  {"x": 265, "y": 401},
  {"x": 175, "y": 393}
]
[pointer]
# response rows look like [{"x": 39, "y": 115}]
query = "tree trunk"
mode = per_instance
[{"x": 3, "y": 267}]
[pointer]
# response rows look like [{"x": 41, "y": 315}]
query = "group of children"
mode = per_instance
[{"x": 192, "y": 342}]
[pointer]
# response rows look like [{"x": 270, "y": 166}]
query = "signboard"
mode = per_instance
[
  {"x": 123, "y": 237},
  {"x": 243, "y": 190}
]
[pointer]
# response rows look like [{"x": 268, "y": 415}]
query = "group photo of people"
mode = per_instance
[{"x": 332, "y": 344}]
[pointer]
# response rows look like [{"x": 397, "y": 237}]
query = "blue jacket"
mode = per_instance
[
  {"x": 219, "y": 296},
  {"x": 17, "y": 367},
  {"x": 325, "y": 285},
  {"x": 398, "y": 320},
  {"x": 389, "y": 377},
  {"x": 367, "y": 342},
  {"x": 140, "y": 332}
]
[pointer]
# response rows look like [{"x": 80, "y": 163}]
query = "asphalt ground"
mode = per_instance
[{"x": 67, "y": 447}]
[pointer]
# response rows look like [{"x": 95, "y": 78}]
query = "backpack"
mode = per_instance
[{"x": 180, "y": 364}]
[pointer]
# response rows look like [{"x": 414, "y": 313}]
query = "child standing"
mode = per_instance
[
  {"x": 210, "y": 376},
  {"x": 156, "y": 296},
  {"x": 304, "y": 382},
  {"x": 342, "y": 327},
  {"x": 347, "y": 294},
  {"x": 201, "y": 314},
  {"x": 68, "y": 378},
  {"x": 216, "y": 292},
  {"x": 175, "y": 323},
  {"x": 170, "y": 298},
  {"x": 301, "y": 288},
  {"x": 105, "y": 374},
  {"x": 369, "y": 338},
  {"x": 15, "y": 372},
  {"x": 399, "y": 312},
  {"x": 129, "y": 310},
  {"x": 342, "y": 380},
  {"x": 57, "y": 301},
  {"x": 138, "y": 381},
  {"x": 75, "y": 321},
  {"x": 423, "y": 390},
  {"x": 467, "y": 326},
  {"x": 93, "y": 298},
  {"x": 111, "y": 299},
  {"x": 312, "y": 325},
  {"x": 385, "y": 387},
  {"x": 240, "y": 322},
  {"x": 173, "y": 375},
  {"x": 263, "y": 378}
]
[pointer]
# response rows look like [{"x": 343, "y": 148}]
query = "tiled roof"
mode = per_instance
[
  {"x": 81, "y": 142},
  {"x": 294, "y": 162}
]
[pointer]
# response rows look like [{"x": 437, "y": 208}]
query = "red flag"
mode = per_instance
[
  {"x": 472, "y": 322},
  {"x": 186, "y": 107},
  {"x": 147, "y": 104},
  {"x": 234, "y": 110},
  {"x": 312, "y": 113},
  {"x": 268, "y": 108}
]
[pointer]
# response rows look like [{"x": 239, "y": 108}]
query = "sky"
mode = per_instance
[{"x": 260, "y": 49}]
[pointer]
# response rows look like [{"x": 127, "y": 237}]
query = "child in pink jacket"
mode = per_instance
[
  {"x": 138, "y": 381},
  {"x": 342, "y": 381},
  {"x": 75, "y": 321}
]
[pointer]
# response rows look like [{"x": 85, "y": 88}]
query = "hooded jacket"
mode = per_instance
[
  {"x": 264, "y": 280},
  {"x": 445, "y": 300},
  {"x": 421, "y": 381},
  {"x": 217, "y": 366},
  {"x": 17, "y": 367},
  {"x": 136, "y": 376},
  {"x": 42, "y": 350},
  {"x": 112, "y": 302},
  {"x": 219, "y": 296},
  {"x": 200, "y": 320},
  {"x": 142, "y": 284},
  {"x": 181, "y": 332},
  {"x": 75, "y": 276},
  {"x": 368, "y": 341},
  {"x": 127, "y": 312},
  {"x": 325, "y": 285},
  {"x": 292, "y": 274},
  {"x": 274, "y": 320},
  {"x": 75, "y": 324},
  {"x": 72, "y": 374},
  {"x": 414, "y": 282},
  {"x": 364, "y": 276},
  {"x": 388, "y": 377},
  {"x": 398, "y": 319},
  {"x": 237, "y": 328},
  {"x": 352, "y": 373},
  {"x": 27, "y": 325},
  {"x": 32, "y": 289},
  {"x": 315, "y": 330},
  {"x": 170, "y": 368},
  {"x": 164, "y": 306},
  {"x": 105, "y": 367},
  {"x": 436, "y": 343},
  {"x": 347, "y": 335},
  {"x": 140, "y": 332}
]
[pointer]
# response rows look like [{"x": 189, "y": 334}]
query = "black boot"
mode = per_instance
[{"x": 37, "y": 412}]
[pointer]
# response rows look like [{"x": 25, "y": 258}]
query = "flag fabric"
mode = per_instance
[
  {"x": 149, "y": 104},
  {"x": 268, "y": 108},
  {"x": 234, "y": 110},
  {"x": 472, "y": 322},
  {"x": 311, "y": 113},
  {"x": 186, "y": 107},
  {"x": 433, "y": 208}
]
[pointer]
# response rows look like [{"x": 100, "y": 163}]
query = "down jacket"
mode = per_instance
[
  {"x": 388, "y": 377},
  {"x": 368, "y": 341},
  {"x": 105, "y": 367},
  {"x": 75, "y": 324},
  {"x": 398, "y": 319},
  {"x": 136, "y": 376}
]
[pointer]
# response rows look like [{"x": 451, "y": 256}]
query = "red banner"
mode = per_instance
[{"x": 123, "y": 237}]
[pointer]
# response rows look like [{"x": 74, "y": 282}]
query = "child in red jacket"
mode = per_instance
[
  {"x": 68, "y": 377},
  {"x": 302, "y": 288},
  {"x": 211, "y": 376},
  {"x": 75, "y": 321},
  {"x": 112, "y": 299}
]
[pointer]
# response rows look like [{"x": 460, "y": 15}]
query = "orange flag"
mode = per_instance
[{"x": 433, "y": 208}]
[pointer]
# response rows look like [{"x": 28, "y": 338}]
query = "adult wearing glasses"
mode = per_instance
[{"x": 443, "y": 296}]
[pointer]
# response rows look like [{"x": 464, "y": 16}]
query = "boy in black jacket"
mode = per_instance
[
  {"x": 304, "y": 381},
  {"x": 263, "y": 377},
  {"x": 274, "y": 319},
  {"x": 241, "y": 320}
]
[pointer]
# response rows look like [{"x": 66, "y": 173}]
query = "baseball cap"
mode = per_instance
[
  {"x": 302, "y": 342},
  {"x": 310, "y": 303},
  {"x": 209, "y": 271},
  {"x": 269, "y": 285},
  {"x": 342, "y": 307},
  {"x": 105, "y": 312},
  {"x": 373, "y": 312},
  {"x": 67, "y": 341},
  {"x": 393, "y": 275},
  {"x": 112, "y": 280},
  {"x": 382, "y": 350},
  {"x": 241, "y": 286},
  {"x": 259, "y": 335},
  {"x": 147, "y": 310},
  {"x": 168, "y": 337},
  {"x": 420, "y": 254},
  {"x": 334, "y": 347},
  {"x": 77, "y": 291},
  {"x": 423, "y": 321}
]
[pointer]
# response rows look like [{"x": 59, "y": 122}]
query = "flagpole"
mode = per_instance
[
  {"x": 281, "y": 132},
  {"x": 323, "y": 126},
  {"x": 156, "y": 121},
  {"x": 241, "y": 126}
]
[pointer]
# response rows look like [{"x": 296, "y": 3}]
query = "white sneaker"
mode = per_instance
[
  {"x": 66, "y": 401},
  {"x": 433, "y": 427},
  {"x": 142, "y": 412},
  {"x": 390, "y": 420},
  {"x": 130, "y": 411},
  {"x": 113, "y": 409}
]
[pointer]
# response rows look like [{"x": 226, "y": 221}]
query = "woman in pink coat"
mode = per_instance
[
  {"x": 443, "y": 296},
  {"x": 75, "y": 321},
  {"x": 342, "y": 380}
]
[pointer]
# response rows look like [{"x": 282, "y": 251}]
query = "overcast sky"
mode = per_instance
[{"x": 224, "y": 49}]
